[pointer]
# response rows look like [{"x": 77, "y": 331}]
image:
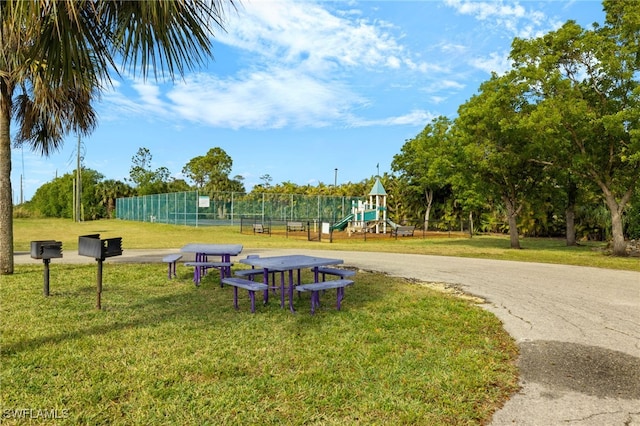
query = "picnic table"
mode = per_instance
[
  {"x": 202, "y": 252},
  {"x": 289, "y": 264}
]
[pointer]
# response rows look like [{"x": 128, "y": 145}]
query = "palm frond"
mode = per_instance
[
  {"x": 165, "y": 36},
  {"x": 45, "y": 115}
]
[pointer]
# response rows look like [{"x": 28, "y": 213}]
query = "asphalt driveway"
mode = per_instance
[{"x": 578, "y": 328}]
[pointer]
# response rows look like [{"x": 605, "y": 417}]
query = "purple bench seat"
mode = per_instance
[{"x": 316, "y": 288}]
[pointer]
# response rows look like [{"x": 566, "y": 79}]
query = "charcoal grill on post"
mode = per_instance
[
  {"x": 93, "y": 246},
  {"x": 46, "y": 250}
]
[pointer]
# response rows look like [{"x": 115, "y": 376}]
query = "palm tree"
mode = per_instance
[
  {"x": 108, "y": 191},
  {"x": 55, "y": 57}
]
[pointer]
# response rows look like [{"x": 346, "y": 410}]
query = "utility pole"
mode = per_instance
[
  {"x": 78, "y": 185},
  {"x": 22, "y": 176}
]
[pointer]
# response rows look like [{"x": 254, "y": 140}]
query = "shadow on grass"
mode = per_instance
[
  {"x": 164, "y": 309},
  {"x": 126, "y": 305},
  {"x": 502, "y": 243}
]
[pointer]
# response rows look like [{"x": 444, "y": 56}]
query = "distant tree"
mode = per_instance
[
  {"x": 108, "y": 191},
  {"x": 178, "y": 185},
  {"x": 266, "y": 181},
  {"x": 55, "y": 198},
  {"x": 237, "y": 184},
  {"x": 210, "y": 172},
  {"x": 398, "y": 205},
  {"x": 491, "y": 130},
  {"x": 425, "y": 163},
  {"x": 358, "y": 189},
  {"x": 148, "y": 181}
]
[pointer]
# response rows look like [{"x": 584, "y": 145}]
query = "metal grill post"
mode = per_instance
[
  {"x": 99, "y": 285},
  {"x": 45, "y": 290}
]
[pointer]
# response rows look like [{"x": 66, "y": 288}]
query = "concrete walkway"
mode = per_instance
[{"x": 578, "y": 328}]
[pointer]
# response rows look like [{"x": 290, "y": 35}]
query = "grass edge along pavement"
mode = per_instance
[
  {"x": 166, "y": 351},
  {"x": 145, "y": 235}
]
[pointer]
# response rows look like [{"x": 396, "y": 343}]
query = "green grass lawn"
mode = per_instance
[
  {"x": 152, "y": 235},
  {"x": 166, "y": 352}
]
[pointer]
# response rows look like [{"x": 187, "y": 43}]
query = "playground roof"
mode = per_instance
[{"x": 378, "y": 189}]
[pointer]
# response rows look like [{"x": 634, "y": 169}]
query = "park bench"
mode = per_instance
[
  {"x": 171, "y": 260},
  {"x": 259, "y": 228},
  {"x": 295, "y": 226},
  {"x": 251, "y": 286},
  {"x": 250, "y": 274},
  {"x": 201, "y": 267},
  {"x": 342, "y": 273},
  {"x": 316, "y": 288},
  {"x": 403, "y": 231}
]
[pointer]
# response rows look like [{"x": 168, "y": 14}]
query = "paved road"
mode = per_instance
[{"x": 578, "y": 328}]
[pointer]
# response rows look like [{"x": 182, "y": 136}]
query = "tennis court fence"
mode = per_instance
[{"x": 194, "y": 208}]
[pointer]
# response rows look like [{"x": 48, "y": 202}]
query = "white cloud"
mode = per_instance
[
  {"x": 443, "y": 84},
  {"x": 285, "y": 31},
  {"x": 513, "y": 17},
  {"x": 450, "y": 84},
  {"x": 485, "y": 10},
  {"x": 495, "y": 62},
  {"x": 272, "y": 98},
  {"x": 414, "y": 118},
  {"x": 453, "y": 48},
  {"x": 299, "y": 62},
  {"x": 149, "y": 97}
]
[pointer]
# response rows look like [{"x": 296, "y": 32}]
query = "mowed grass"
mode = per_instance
[
  {"x": 166, "y": 352},
  {"x": 145, "y": 235}
]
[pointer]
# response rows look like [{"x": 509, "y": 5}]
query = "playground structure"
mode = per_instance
[{"x": 370, "y": 216}]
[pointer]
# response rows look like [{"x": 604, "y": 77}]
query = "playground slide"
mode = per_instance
[
  {"x": 343, "y": 223},
  {"x": 392, "y": 224}
]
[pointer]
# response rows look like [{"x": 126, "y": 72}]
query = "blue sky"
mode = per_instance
[{"x": 300, "y": 88}]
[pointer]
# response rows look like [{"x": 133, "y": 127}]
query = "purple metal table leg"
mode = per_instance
[
  {"x": 225, "y": 271},
  {"x": 196, "y": 270},
  {"x": 235, "y": 297},
  {"x": 291, "y": 290},
  {"x": 252, "y": 295},
  {"x": 196, "y": 275},
  {"x": 281, "y": 291},
  {"x": 265, "y": 280}
]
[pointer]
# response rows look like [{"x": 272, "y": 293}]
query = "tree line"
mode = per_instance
[
  {"x": 208, "y": 174},
  {"x": 416, "y": 195}
]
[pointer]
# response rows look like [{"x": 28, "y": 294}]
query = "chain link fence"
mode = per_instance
[{"x": 227, "y": 208}]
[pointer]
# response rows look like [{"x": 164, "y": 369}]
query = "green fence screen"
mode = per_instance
[{"x": 227, "y": 208}]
